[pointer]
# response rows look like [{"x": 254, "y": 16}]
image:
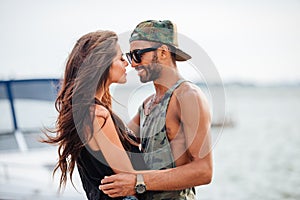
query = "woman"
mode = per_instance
[{"x": 89, "y": 134}]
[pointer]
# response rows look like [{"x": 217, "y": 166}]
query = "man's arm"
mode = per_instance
[
  {"x": 185, "y": 176},
  {"x": 195, "y": 117}
]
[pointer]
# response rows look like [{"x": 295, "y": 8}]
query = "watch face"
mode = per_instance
[{"x": 140, "y": 188}]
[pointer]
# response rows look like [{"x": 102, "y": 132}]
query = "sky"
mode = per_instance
[{"x": 252, "y": 41}]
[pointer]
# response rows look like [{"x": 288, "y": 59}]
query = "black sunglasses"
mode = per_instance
[{"x": 136, "y": 54}]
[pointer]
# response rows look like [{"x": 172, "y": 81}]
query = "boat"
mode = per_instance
[{"x": 26, "y": 165}]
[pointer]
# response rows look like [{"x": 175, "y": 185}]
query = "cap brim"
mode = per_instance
[{"x": 181, "y": 55}]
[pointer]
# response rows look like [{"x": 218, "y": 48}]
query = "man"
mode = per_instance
[{"x": 173, "y": 124}]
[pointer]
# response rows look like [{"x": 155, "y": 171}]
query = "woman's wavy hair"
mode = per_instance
[{"x": 87, "y": 71}]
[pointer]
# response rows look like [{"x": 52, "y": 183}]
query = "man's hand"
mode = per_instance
[{"x": 118, "y": 185}]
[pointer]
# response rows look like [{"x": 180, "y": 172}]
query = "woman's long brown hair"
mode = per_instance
[{"x": 87, "y": 71}]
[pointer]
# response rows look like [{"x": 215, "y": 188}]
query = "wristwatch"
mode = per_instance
[{"x": 140, "y": 186}]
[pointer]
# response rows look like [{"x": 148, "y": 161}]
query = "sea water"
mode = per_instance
[{"x": 258, "y": 158}]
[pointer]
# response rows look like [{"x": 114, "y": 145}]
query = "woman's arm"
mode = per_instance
[
  {"x": 134, "y": 125},
  {"x": 107, "y": 140}
]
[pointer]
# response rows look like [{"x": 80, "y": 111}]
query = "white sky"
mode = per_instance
[{"x": 256, "y": 40}]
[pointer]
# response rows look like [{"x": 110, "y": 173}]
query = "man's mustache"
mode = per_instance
[{"x": 140, "y": 67}]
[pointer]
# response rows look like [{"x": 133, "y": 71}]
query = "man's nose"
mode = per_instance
[{"x": 134, "y": 64}]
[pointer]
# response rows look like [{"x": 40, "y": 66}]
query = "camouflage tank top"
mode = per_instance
[{"x": 156, "y": 147}]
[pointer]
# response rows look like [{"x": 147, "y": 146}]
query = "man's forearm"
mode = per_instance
[
  {"x": 185, "y": 176},
  {"x": 193, "y": 174}
]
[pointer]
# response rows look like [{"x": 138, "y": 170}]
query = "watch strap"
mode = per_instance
[{"x": 139, "y": 178}]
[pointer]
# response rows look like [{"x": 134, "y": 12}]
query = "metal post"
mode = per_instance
[{"x": 18, "y": 134}]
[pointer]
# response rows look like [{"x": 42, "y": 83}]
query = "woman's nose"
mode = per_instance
[{"x": 126, "y": 63}]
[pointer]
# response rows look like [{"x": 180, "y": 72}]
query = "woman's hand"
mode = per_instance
[{"x": 118, "y": 185}]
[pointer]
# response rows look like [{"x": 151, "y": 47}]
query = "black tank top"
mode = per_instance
[{"x": 92, "y": 168}]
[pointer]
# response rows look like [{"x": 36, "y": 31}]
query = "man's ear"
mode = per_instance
[{"x": 164, "y": 52}]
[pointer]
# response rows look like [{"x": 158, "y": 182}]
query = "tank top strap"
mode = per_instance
[{"x": 169, "y": 93}]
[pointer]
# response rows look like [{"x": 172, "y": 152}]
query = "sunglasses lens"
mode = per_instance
[
  {"x": 136, "y": 56},
  {"x": 129, "y": 58}
]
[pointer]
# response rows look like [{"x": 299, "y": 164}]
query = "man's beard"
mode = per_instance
[{"x": 152, "y": 71}]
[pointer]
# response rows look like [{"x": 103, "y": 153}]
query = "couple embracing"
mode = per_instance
[{"x": 164, "y": 151}]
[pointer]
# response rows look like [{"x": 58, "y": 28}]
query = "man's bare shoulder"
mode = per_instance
[{"x": 189, "y": 90}]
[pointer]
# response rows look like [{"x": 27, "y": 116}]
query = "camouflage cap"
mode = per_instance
[{"x": 159, "y": 31}]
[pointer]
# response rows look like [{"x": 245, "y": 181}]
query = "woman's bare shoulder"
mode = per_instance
[{"x": 101, "y": 111}]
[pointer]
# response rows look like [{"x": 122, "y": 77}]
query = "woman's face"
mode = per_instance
[{"x": 117, "y": 72}]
